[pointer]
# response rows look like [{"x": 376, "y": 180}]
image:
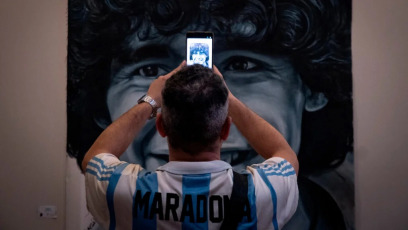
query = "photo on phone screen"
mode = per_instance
[{"x": 199, "y": 48}]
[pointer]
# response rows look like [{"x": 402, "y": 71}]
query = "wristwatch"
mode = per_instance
[{"x": 150, "y": 101}]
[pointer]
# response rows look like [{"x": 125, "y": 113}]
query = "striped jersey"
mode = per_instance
[{"x": 187, "y": 195}]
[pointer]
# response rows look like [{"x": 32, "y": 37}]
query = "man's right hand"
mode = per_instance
[
  {"x": 120, "y": 134},
  {"x": 157, "y": 85}
]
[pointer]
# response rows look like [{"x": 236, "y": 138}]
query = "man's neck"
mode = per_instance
[{"x": 180, "y": 155}]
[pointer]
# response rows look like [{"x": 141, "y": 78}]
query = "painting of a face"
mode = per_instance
[
  {"x": 268, "y": 84},
  {"x": 287, "y": 60},
  {"x": 199, "y": 58}
]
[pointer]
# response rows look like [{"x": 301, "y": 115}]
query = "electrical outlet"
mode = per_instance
[{"x": 47, "y": 211}]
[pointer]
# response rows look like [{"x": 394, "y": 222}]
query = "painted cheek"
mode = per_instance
[
  {"x": 277, "y": 102},
  {"x": 121, "y": 98}
]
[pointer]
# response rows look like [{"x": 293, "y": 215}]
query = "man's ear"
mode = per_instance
[
  {"x": 226, "y": 128},
  {"x": 159, "y": 125},
  {"x": 315, "y": 100}
]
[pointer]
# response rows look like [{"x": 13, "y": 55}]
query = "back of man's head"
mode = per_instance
[{"x": 194, "y": 108}]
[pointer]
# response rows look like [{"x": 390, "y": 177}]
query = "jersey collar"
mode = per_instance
[{"x": 196, "y": 167}]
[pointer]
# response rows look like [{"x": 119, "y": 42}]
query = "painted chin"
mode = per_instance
[
  {"x": 238, "y": 159},
  {"x": 154, "y": 150}
]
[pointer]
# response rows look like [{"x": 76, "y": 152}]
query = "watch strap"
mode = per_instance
[{"x": 150, "y": 101}]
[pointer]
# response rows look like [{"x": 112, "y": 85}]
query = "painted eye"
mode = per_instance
[
  {"x": 241, "y": 64},
  {"x": 149, "y": 71}
]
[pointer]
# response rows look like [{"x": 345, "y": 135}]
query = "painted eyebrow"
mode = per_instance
[{"x": 145, "y": 52}]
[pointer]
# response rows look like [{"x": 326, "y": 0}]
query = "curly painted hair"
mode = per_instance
[{"x": 315, "y": 34}]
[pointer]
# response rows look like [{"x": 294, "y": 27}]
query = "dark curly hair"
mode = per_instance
[{"x": 315, "y": 34}]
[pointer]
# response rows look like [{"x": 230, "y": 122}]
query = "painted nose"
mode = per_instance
[{"x": 235, "y": 141}]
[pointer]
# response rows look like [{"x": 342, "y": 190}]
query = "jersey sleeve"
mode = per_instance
[
  {"x": 276, "y": 192},
  {"x": 102, "y": 172}
]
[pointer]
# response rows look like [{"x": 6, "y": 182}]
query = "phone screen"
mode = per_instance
[{"x": 199, "y": 48}]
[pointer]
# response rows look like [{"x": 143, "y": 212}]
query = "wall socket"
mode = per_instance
[{"x": 47, "y": 211}]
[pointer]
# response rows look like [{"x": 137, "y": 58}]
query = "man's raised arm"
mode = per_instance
[
  {"x": 262, "y": 136},
  {"x": 117, "y": 137}
]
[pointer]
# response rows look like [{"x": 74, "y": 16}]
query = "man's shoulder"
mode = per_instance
[
  {"x": 104, "y": 165},
  {"x": 274, "y": 166},
  {"x": 274, "y": 178}
]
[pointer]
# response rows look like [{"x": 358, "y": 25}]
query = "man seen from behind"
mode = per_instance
[{"x": 195, "y": 190}]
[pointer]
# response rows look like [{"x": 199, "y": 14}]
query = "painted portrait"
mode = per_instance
[{"x": 287, "y": 60}]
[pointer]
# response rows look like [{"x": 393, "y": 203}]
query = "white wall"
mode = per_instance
[
  {"x": 380, "y": 68},
  {"x": 33, "y": 114}
]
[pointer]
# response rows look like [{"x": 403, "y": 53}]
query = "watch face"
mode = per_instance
[{"x": 150, "y": 101}]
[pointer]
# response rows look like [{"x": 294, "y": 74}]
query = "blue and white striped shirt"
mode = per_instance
[{"x": 187, "y": 195}]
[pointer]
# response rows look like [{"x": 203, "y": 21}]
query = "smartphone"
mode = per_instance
[{"x": 199, "y": 48}]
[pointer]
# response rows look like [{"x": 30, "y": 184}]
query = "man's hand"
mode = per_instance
[
  {"x": 216, "y": 71},
  {"x": 157, "y": 85}
]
